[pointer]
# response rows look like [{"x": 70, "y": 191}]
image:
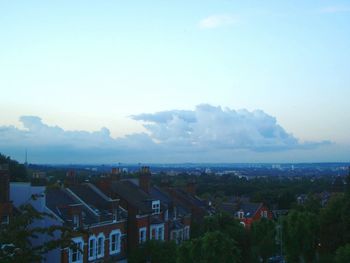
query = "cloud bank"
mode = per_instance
[{"x": 206, "y": 133}]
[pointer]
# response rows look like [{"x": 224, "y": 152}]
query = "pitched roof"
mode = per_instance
[
  {"x": 59, "y": 201},
  {"x": 133, "y": 195},
  {"x": 95, "y": 201},
  {"x": 249, "y": 208}
]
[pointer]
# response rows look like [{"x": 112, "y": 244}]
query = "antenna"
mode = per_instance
[{"x": 26, "y": 158}]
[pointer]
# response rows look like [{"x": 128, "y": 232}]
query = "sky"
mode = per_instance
[{"x": 175, "y": 81}]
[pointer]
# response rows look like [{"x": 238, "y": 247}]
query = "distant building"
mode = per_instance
[{"x": 245, "y": 211}]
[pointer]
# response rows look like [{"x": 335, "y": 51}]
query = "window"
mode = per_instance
[
  {"x": 100, "y": 245},
  {"x": 265, "y": 214},
  {"x": 166, "y": 215},
  {"x": 114, "y": 242},
  {"x": 173, "y": 235},
  {"x": 76, "y": 221},
  {"x": 142, "y": 235},
  {"x": 160, "y": 233},
  {"x": 92, "y": 248},
  {"x": 187, "y": 233},
  {"x": 240, "y": 214},
  {"x": 156, "y": 207},
  {"x": 5, "y": 220},
  {"x": 180, "y": 236},
  {"x": 157, "y": 232},
  {"x": 76, "y": 253},
  {"x": 115, "y": 215}
]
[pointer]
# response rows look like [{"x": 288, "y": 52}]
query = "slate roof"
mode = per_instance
[
  {"x": 59, "y": 202},
  {"x": 133, "y": 195},
  {"x": 249, "y": 208},
  {"x": 94, "y": 200}
]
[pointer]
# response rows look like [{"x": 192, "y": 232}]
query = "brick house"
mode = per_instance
[
  {"x": 99, "y": 222},
  {"x": 179, "y": 218},
  {"x": 189, "y": 200},
  {"x": 245, "y": 211},
  {"x": 6, "y": 208},
  {"x": 147, "y": 216}
]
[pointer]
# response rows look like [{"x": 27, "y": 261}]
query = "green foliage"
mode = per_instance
[
  {"x": 154, "y": 251},
  {"x": 16, "y": 238},
  {"x": 301, "y": 231},
  {"x": 17, "y": 171},
  {"x": 227, "y": 224},
  {"x": 335, "y": 224},
  {"x": 212, "y": 247},
  {"x": 343, "y": 254},
  {"x": 263, "y": 233}
]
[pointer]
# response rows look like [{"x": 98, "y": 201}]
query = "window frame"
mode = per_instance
[
  {"x": 186, "y": 232},
  {"x": 117, "y": 250},
  {"x": 77, "y": 240},
  {"x": 5, "y": 219},
  {"x": 156, "y": 229},
  {"x": 156, "y": 207},
  {"x": 142, "y": 230},
  {"x": 94, "y": 250},
  {"x": 102, "y": 254},
  {"x": 76, "y": 221}
]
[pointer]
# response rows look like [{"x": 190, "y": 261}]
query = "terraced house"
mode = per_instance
[{"x": 99, "y": 222}]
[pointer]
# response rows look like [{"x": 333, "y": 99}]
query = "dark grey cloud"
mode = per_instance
[{"x": 207, "y": 133}]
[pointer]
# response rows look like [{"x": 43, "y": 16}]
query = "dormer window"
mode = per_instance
[
  {"x": 156, "y": 207},
  {"x": 115, "y": 215},
  {"x": 5, "y": 220},
  {"x": 76, "y": 221}
]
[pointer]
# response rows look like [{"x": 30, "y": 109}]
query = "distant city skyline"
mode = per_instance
[{"x": 175, "y": 81}]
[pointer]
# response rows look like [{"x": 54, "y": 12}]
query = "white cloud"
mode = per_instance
[
  {"x": 207, "y": 133},
  {"x": 215, "y": 21},
  {"x": 210, "y": 127},
  {"x": 335, "y": 9}
]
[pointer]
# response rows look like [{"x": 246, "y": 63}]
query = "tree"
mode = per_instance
[
  {"x": 18, "y": 171},
  {"x": 263, "y": 234},
  {"x": 343, "y": 254},
  {"x": 212, "y": 247},
  {"x": 301, "y": 236},
  {"x": 154, "y": 251},
  {"x": 16, "y": 238},
  {"x": 227, "y": 224}
]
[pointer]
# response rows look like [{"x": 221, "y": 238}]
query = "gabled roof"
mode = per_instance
[
  {"x": 133, "y": 195},
  {"x": 190, "y": 199},
  {"x": 95, "y": 201},
  {"x": 249, "y": 208},
  {"x": 59, "y": 201}
]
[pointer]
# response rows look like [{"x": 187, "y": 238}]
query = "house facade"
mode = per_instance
[
  {"x": 99, "y": 224},
  {"x": 245, "y": 211}
]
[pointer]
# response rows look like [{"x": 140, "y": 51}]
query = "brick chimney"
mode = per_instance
[
  {"x": 4, "y": 184},
  {"x": 191, "y": 187},
  {"x": 145, "y": 178},
  {"x": 71, "y": 177},
  {"x": 115, "y": 174},
  {"x": 38, "y": 179}
]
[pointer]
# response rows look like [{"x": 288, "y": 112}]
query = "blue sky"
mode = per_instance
[{"x": 83, "y": 65}]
